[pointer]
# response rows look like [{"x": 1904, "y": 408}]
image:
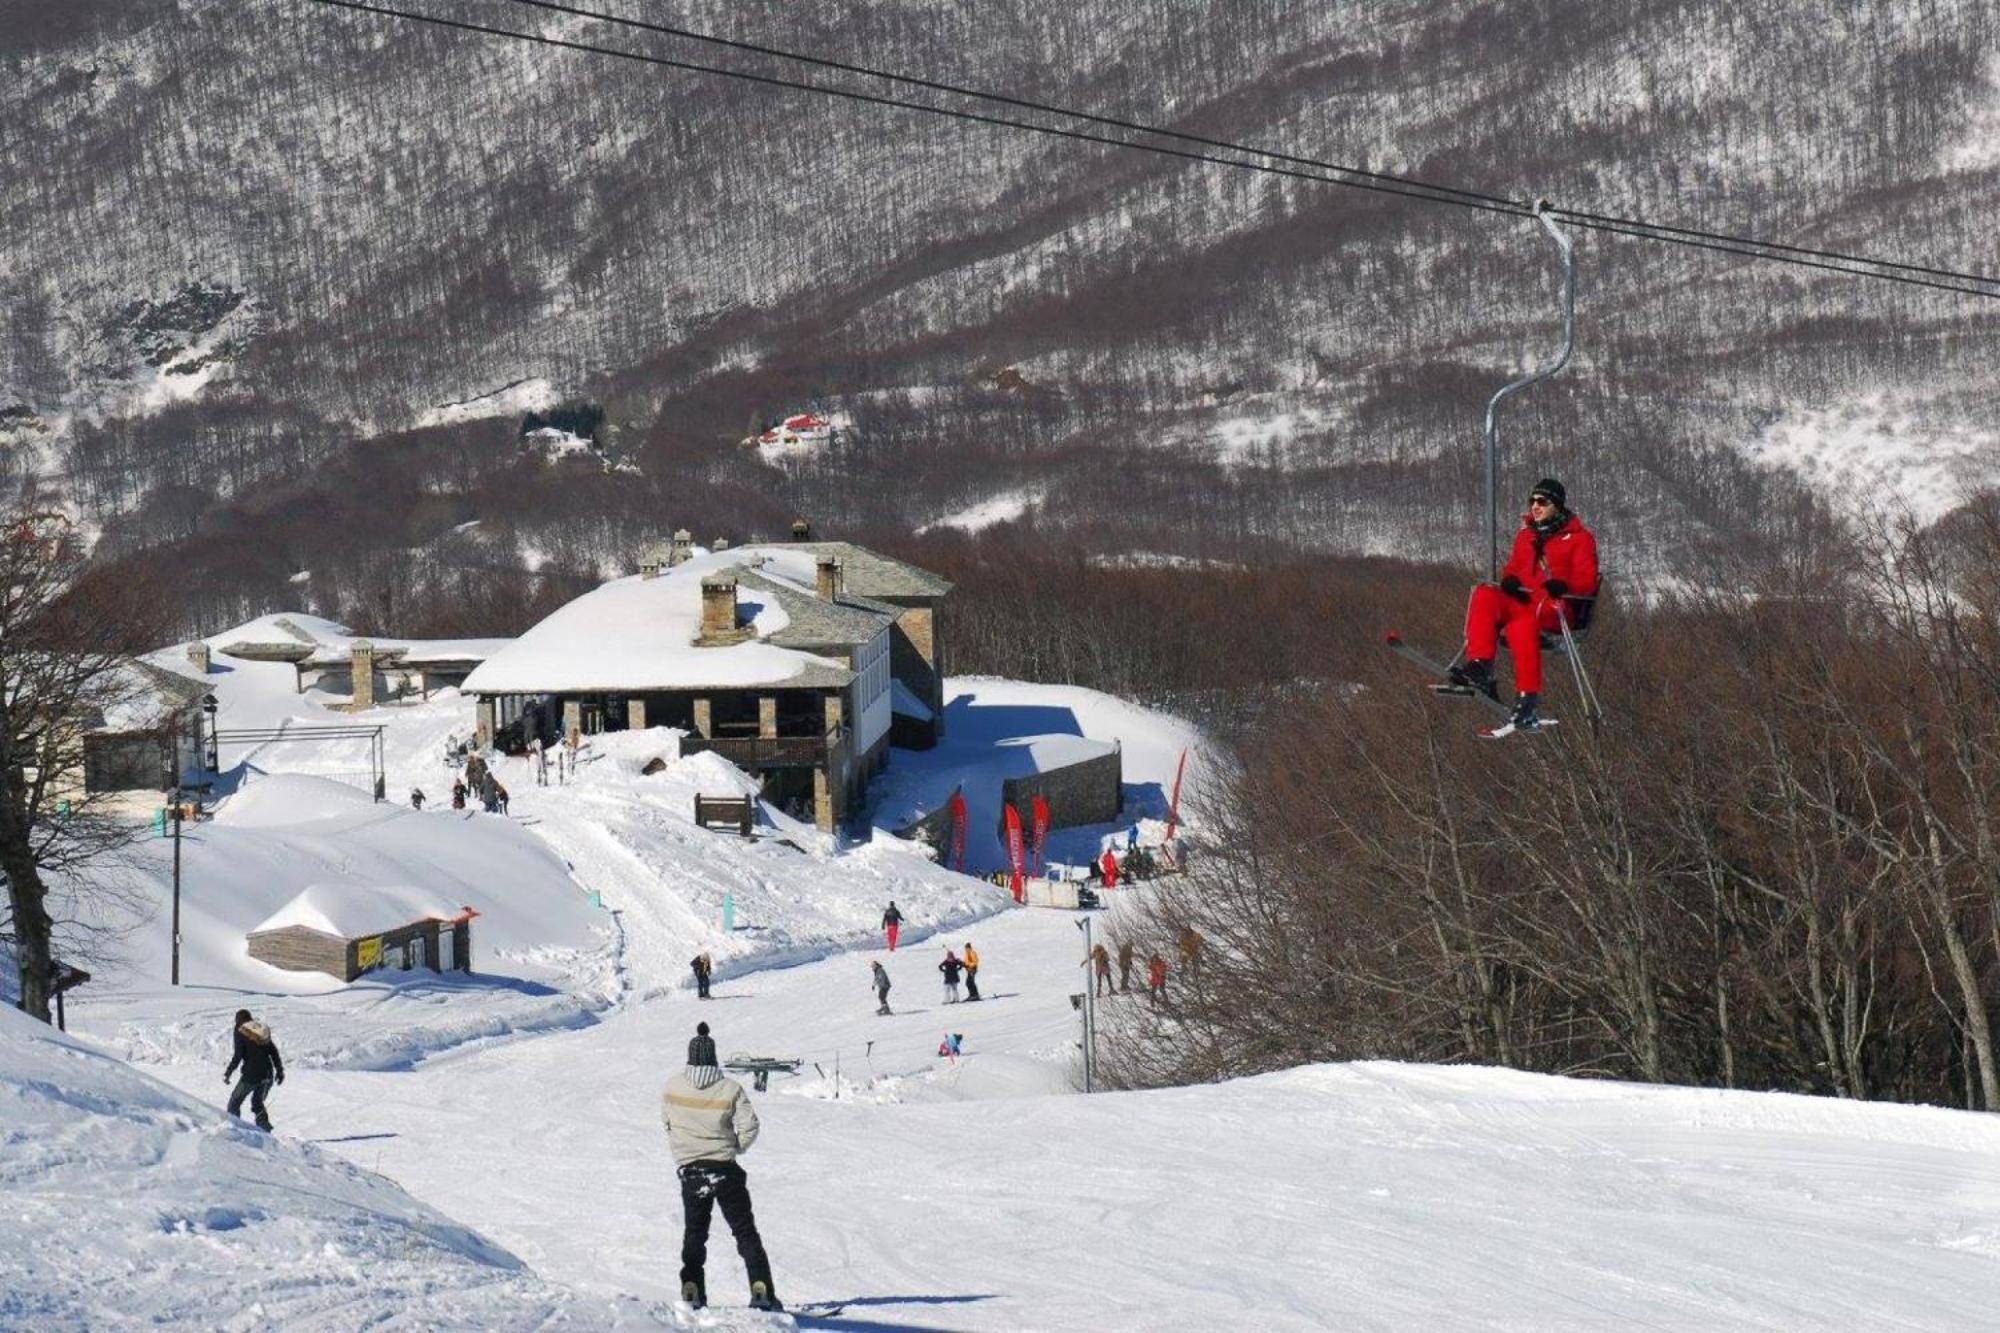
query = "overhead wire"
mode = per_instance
[{"x": 1273, "y": 162}]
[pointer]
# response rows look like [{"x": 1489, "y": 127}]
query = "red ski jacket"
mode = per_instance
[{"x": 1570, "y": 554}]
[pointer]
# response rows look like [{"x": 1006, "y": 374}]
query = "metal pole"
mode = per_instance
[
  {"x": 177, "y": 886},
  {"x": 1089, "y": 1006},
  {"x": 1533, "y": 377}
]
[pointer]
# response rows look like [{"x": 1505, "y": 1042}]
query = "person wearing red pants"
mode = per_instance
[
  {"x": 1554, "y": 563},
  {"x": 892, "y": 924}
]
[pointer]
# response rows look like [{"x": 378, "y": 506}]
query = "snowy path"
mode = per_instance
[{"x": 1363, "y": 1196}]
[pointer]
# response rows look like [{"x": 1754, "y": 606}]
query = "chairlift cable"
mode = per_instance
[{"x": 1636, "y": 227}]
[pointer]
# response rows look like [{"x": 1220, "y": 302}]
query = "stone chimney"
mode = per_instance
[
  {"x": 802, "y": 531},
  {"x": 720, "y": 544},
  {"x": 651, "y": 561},
  {"x": 362, "y": 669},
  {"x": 198, "y": 656},
  {"x": 683, "y": 547},
  {"x": 718, "y": 613},
  {"x": 829, "y": 579}
]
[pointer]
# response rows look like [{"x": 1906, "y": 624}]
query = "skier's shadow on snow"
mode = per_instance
[{"x": 846, "y": 1320}]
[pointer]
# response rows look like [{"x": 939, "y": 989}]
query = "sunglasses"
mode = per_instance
[{"x": 1539, "y": 500}]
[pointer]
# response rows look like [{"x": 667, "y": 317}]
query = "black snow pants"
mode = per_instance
[
  {"x": 255, "y": 1090},
  {"x": 704, "y": 1185}
]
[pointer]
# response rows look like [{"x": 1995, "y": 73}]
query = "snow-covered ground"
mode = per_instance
[{"x": 485, "y": 1151}]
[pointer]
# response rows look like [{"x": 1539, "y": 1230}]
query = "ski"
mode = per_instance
[
  {"x": 1506, "y": 729},
  {"x": 1442, "y": 674}
]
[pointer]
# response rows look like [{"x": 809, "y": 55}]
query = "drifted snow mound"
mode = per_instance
[{"x": 130, "y": 1204}]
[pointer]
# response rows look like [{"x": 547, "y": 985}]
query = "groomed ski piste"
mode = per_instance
[{"x": 486, "y": 1151}]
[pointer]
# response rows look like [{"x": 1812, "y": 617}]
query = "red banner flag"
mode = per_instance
[
  {"x": 1039, "y": 823},
  {"x": 958, "y": 830},
  {"x": 1014, "y": 853},
  {"x": 1174, "y": 805}
]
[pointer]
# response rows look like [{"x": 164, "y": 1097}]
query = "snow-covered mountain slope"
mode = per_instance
[
  {"x": 516, "y": 1111},
  {"x": 246, "y": 234},
  {"x": 984, "y": 1194}
]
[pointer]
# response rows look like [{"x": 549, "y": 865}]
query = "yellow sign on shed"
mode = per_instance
[{"x": 368, "y": 953}]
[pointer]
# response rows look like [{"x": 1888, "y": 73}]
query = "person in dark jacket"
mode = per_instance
[
  {"x": 951, "y": 967},
  {"x": 458, "y": 793},
  {"x": 881, "y": 979},
  {"x": 892, "y": 924},
  {"x": 257, "y": 1052},
  {"x": 702, "y": 970},
  {"x": 1125, "y": 967}
]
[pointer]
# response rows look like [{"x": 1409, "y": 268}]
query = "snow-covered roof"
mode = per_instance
[
  {"x": 146, "y": 696},
  {"x": 408, "y": 652},
  {"x": 636, "y": 634},
  {"x": 353, "y": 910}
]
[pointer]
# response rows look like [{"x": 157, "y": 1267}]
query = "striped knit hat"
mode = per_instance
[{"x": 701, "y": 1049}]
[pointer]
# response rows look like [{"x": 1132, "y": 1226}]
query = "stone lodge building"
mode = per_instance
[{"x": 799, "y": 662}]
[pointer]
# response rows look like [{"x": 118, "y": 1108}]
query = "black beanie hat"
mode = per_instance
[
  {"x": 701, "y": 1049},
  {"x": 243, "y": 1015},
  {"x": 1552, "y": 488}
]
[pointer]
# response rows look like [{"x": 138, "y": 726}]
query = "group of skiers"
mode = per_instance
[{"x": 953, "y": 968}]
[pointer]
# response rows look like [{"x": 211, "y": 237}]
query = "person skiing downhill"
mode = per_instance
[
  {"x": 257, "y": 1052},
  {"x": 1551, "y": 571},
  {"x": 881, "y": 978},
  {"x": 709, "y": 1121},
  {"x": 892, "y": 924}
]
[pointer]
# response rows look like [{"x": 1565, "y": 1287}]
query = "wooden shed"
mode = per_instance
[{"x": 345, "y": 930}]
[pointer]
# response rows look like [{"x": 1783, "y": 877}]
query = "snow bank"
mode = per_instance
[{"x": 130, "y": 1204}]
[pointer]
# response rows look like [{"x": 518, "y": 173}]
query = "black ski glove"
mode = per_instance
[
  {"x": 1512, "y": 587},
  {"x": 1556, "y": 587},
  {"x": 281, "y": 1076}
]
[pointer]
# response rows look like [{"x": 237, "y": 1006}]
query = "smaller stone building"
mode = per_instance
[
  {"x": 148, "y": 736},
  {"x": 347, "y": 930}
]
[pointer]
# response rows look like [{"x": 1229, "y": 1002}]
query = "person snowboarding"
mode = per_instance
[
  {"x": 881, "y": 987},
  {"x": 951, "y": 967},
  {"x": 1125, "y": 967},
  {"x": 257, "y": 1052},
  {"x": 971, "y": 971},
  {"x": 1156, "y": 979},
  {"x": 892, "y": 924},
  {"x": 709, "y": 1121},
  {"x": 702, "y": 968},
  {"x": 1100, "y": 964},
  {"x": 1548, "y": 580}
]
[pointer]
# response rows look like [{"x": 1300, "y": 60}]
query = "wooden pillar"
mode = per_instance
[
  {"x": 431, "y": 946},
  {"x": 635, "y": 714},
  {"x": 767, "y": 716},
  {"x": 704, "y": 717}
]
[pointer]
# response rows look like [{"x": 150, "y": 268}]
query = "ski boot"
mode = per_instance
[
  {"x": 1526, "y": 718},
  {"x": 1475, "y": 675},
  {"x": 763, "y": 1298},
  {"x": 692, "y": 1293}
]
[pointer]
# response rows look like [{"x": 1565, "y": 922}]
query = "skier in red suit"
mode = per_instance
[{"x": 1550, "y": 575}]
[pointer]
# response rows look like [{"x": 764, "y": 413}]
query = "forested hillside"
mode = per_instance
[{"x": 260, "y": 260}]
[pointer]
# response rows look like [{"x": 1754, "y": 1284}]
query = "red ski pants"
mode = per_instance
[
  {"x": 892, "y": 930},
  {"x": 1492, "y": 613}
]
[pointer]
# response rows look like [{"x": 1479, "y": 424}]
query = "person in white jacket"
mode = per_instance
[{"x": 710, "y": 1120}]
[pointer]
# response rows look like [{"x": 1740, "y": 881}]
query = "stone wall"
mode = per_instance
[{"x": 1090, "y": 791}]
